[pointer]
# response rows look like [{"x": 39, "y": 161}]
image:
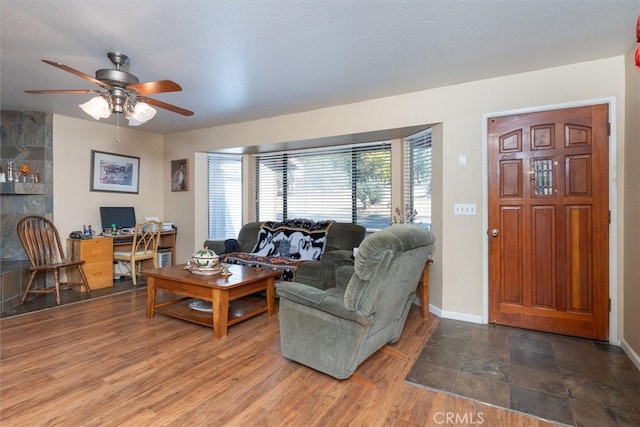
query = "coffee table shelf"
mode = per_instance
[{"x": 239, "y": 310}]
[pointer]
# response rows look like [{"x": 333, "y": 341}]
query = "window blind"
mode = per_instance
[
  {"x": 350, "y": 183},
  {"x": 225, "y": 195},
  {"x": 417, "y": 177}
]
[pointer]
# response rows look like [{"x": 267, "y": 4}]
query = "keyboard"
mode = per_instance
[{"x": 123, "y": 239}]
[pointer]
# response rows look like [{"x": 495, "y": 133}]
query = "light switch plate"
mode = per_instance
[{"x": 464, "y": 209}]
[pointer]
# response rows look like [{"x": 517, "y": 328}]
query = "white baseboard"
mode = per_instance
[
  {"x": 455, "y": 316},
  {"x": 450, "y": 314},
  {"x": 635, "y": 358}
]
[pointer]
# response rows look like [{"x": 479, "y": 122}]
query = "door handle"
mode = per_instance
[{"x": 494, "y": 232}]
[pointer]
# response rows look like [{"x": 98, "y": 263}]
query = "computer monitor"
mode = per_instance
[{"x": 122, "y": 217}]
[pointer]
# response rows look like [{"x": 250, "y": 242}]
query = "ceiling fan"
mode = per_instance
[{"x": 123, "y": 93}]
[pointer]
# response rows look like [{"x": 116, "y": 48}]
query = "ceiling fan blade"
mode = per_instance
[
  {"x": 166, "y": 106},
  {"x": 159, "y": 86},
  {"x": 77, "y": 73},
  {"x": 64, "y": 91}
]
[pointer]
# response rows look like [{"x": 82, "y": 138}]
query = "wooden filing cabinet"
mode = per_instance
[{"x": 97, "y": 254}]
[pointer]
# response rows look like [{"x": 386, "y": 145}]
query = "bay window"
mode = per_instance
[{"x": 347, "y": 183}]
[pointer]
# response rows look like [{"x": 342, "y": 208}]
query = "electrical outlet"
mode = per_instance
[{"x": 464, "y": 209}]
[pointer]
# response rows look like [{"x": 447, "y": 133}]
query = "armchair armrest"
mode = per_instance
[
  {"x": 343, "y": 275},
  {"x": 328, "y": 301},
  {"x": 339, "y": 257},
  {"x": 312, "y": 273},
  {"x": 215, "y": 245},
  {"x": 321, "y": 274}
]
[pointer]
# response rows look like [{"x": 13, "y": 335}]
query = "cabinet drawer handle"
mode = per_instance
[{"x": 98, "y": 251}]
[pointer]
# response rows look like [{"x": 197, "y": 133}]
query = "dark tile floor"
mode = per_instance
[
  {"x": 563, "y": 379},
  {"x": 37, "y": 302}
]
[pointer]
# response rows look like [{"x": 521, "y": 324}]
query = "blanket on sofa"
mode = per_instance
[{"x": 284, "y": 245}]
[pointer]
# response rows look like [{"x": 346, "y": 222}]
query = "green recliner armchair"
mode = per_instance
[{"x": 336, "y": 329}]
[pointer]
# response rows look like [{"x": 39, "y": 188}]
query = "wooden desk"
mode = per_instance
[
  {"x": 97, "y": 254},
  {"x": 167, "y": 239}
]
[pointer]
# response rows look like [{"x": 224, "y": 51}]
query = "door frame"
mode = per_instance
[{"x": 613, "y": 202}]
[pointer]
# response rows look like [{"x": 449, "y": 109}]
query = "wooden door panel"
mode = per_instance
[
  {"x": 543, "y": 279},
  {"x": 548, "y": 265},
  {"x": 578, "y": 175},
  {"x": 511, "y": 182},
  {"x": 580, "y": 259},
  {"x": 511, "y": 142},
  {"x": 543, "y": 137},
  {"x": 577, "y": 135},
  {"x": 512, "y": 263}
]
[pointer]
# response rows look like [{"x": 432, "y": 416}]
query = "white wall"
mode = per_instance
[
  {"x": 73, "y": 204},
  {"x": 459, "y": 108},
  {"x": 631, "y": 255}
]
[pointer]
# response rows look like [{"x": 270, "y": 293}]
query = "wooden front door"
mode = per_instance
[{"x": 549, "y": 221}]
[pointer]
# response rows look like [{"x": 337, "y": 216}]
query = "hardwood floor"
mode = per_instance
[{"x": 101, "y": 362}]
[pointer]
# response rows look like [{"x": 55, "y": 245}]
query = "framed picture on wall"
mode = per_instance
[
  {"x": 180, "y": 175},
  {"x": 114, "y": 173}
]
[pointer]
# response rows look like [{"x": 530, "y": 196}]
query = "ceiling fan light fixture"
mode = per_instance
[
  {"x": 142, "y": 113},
  {"x": 134, "y": 122},
  {"x": 121, "y": 90},
  {"x": 97, "y": 107}
]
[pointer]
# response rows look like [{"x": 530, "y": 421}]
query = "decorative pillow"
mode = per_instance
[{"x": 300, "y": 239}]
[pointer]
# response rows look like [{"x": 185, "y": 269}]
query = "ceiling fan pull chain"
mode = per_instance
[{"x": 118, "y": 128}]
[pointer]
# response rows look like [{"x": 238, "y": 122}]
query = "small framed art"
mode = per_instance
[
  {"x": 114, "y": 173},
  {"x": 180, "y": 175}
]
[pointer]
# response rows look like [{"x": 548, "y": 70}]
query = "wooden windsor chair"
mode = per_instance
[{"x": 41, "y": 242}]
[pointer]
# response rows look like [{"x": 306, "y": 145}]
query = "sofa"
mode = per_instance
[
  {"x": 334, "y": 330},
  {"x": 304, "y": 250}
]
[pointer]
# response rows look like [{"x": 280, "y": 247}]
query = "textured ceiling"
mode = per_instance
[{"x": 245, "y": 60}]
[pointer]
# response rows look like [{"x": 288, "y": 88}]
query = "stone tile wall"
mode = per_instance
[
  {"x": 26, "y": 138},
  {"x": 14, "y": 276}
]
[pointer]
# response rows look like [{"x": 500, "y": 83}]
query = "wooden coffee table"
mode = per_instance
[{"x": 231, "y": 296}]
